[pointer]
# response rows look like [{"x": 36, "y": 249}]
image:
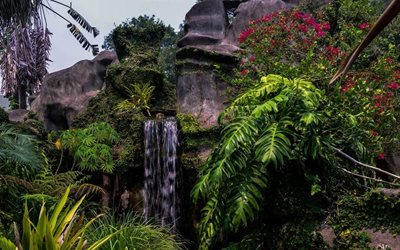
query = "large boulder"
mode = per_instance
[
  {"x": 210, "y": 40},
  {"x": 251, "y": 10},
  {"x": 67, "y": 92}
]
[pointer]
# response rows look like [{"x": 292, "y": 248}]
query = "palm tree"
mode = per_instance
[{"x": 25, "y": 44}]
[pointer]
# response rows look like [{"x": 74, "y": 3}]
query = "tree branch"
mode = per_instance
[
  {"x": 369, "y": 178},
  {"x": 363, "y": 164}
]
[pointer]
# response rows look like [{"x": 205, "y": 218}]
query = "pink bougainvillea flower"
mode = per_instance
[
  {"x": 244, "y": 72},
  {"x": 389, "y": 60},
  {"x": 302, "y": 27},
  {"x": 397, "y": 74},
  {"x": 393, "y": 85},
  {"x": 381, "y": 156},
  {"x": 299, "y": 15},
  {"x": 363, "y": 26},
  {"x": 326, "y": 26},
  {"x": 247, "y": 32},
  {"x": 320, "y": 33}
]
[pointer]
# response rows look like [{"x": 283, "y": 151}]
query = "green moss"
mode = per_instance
[
  {"x": 188, "y": 123},
  {"x": 121, "y": 75},
  {"x": 196, "y": 143},
  {"x": 371, "y": 210}
]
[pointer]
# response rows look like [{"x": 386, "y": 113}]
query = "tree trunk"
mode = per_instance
[
  {"x": 105, "y": 197},
  {"x": 22, "y": 96}
]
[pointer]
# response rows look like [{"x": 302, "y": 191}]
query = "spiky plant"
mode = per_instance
[
  {"x": 25, "y": 44},
  {"x": 62, "y": 229}
]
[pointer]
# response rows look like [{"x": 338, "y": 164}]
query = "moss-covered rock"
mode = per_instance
[{"x": 355, "y": 213}]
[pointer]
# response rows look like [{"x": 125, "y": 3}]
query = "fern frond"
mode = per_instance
[
  {"x": 9, "y": 180},
  {"x": 86, "y": 189},
  {"x": 211, "y": 223}
]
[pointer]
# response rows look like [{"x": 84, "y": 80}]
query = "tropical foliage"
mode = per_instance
[
  {"x": 135, "y": 233},
  {"x": 19, "y": 149},
  {"x": 283, "y": 121},
  {"x": 269, "y": 126},
  {"x": 62, "y": 229},
  {"x": 140, "y": 96},
  {"x": 90, "y": 146}
]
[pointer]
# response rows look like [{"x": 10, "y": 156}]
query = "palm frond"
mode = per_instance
[
  {"x": 82, "y": 39},
  {"x": 82, "y": 21}
]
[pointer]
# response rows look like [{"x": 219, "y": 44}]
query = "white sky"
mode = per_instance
[{"x": 105, "y": 15}]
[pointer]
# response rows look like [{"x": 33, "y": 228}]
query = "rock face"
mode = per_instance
[
  {"x": 210, "y": 40},
  {"x": 67, "y": 92},
  {"x": 251, "y": 10}
]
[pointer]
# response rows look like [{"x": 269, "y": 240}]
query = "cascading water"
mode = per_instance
[{"x": 161, "y": 173}]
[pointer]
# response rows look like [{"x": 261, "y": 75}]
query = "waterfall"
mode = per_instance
[{"x": 161, "y": 173}]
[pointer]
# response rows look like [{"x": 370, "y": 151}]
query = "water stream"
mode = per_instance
[{"x": 161, "y": 172}]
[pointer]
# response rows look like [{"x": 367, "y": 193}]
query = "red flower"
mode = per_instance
[
  {"x": 244, "y": 72},
  {"x": 348, "y": 85},
  {"x": 252, "y": 58},
  {"x": 302, "y": 27},
  {"x": 326, "y": 26},
  {"x": 374, "y": 133},
  {"x": 381, "y": 156},
  {"x": 389, "y": 60},
  {"x": 245, "y": 34},
  {"x": 397, "y": 74},
  {"x": 363, "y": 26},
  {"x": 320, "y": 33},
  {"x": 393, "y": 85},
  {"x": 299, "y": 15}
]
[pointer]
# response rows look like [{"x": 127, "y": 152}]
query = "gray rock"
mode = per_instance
[
  {"x": 251, "y": 10},
  {"x": 18, "y": 115},
  {"x": 210, "y": 40},
  {"x": 205, "y": 24},
  {"x": 200, "y": 94},
  {"x": 67, "y": 92}
]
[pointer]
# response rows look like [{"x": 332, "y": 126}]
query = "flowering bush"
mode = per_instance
[
  {"x": 296, "y": 44},
  {"x": 283, "y": 43}
]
